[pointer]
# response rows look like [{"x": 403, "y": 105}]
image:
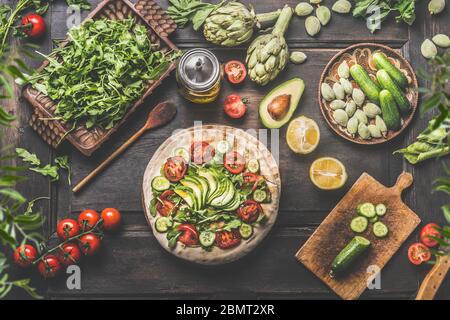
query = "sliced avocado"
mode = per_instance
[
  {"x": 212, "y": 181},
  {"x": 186, "y": 196},
  {"x": 196, "y": 190},
  {"x": 277, "y": 107}
]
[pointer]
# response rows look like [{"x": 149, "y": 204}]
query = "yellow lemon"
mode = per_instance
[
  {"x": 328, "y": 173},
  {"x": 303, "y": 135}
]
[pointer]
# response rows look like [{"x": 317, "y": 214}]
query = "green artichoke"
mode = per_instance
[
  {"x": 269, "y": 53},
  {"x": 233, "y": 23}
]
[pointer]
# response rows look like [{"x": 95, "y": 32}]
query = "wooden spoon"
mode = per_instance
[
  {"x": 162, "y": 114},
  {"x": 433, "y": 280}
]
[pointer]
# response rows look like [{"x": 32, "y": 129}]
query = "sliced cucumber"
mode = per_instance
[
  {"x": 259, "y": 195},
  {"x": 366, "y": 209},
  {"x": 253, "y": 165},
  {"x": 380, "y": 230},
  {"x": 374, "y": 219},
  {"x": 207, "y": 238},
  {"x": 380, "y": 209},
  {"x": 223, "y": 147},
  {"x": 359, "y": 224},
  {"x": 246, "y": 231},
  {"x": 355, "y": 248},
  {"x": 182, "y": 152},
  {"x": 160, "y": 183},
  {"x": 162, "y": 224}
]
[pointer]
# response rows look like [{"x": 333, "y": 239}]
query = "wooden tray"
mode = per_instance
[
  {"x": 85, "y": 140},
  {"x": 334, "y": 233},
  {"x": 331, "y": 68}
]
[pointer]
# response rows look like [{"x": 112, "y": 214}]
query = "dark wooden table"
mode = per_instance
[{"x": 133, "y": 265}]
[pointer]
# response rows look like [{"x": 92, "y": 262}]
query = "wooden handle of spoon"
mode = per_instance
[
  {"x": 108, "y": 160},
  {"x": 433, "y": 279}
]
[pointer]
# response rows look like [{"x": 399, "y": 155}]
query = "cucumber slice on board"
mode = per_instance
[
  {"x": 246, "y": 231},
  {"x": 380, "y": 230},
  {"x": 359, "y": 224},
  {"x": 380, "y": 209},
  {"x": 354, "y": 249},
  {"x": 160, "y": 183},
  {"x": 207, "y": 238},
  {"x": 374, "y": 219},
  {"x": 162, "y": 224},
  {"x": 253, "y": 165},
  {"x": 366, "y": 209}
]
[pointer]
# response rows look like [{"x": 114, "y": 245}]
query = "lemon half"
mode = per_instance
[
  {"x": 303, "y": 135},
  {"x": 328, "y": 173}
]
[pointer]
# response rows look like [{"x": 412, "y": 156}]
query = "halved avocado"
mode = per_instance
[{"x": 277, "y": 107}]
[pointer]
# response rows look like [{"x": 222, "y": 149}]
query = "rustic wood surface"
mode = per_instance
[
  {"x": 333, "y": 234},
  {"x": 133, "y": 265}
]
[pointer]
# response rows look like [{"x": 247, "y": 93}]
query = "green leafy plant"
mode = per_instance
[{"x": 195, "y": 11}]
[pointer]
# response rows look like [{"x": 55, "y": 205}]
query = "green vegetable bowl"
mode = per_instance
[{"x": 351, "y": 91}]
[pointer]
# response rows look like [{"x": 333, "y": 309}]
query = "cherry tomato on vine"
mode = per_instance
[
  {"x": 431, "y": 229},
  {"x": 24, "y": 255},
  {"x": 418, "y": 253},
  {"x": 189, "y": 234},
  {"x": 34, "y": 25},
  {"x": 67, "y": 228},
  {"x": 69, "y": 254},
  {"x": 49, "y": 266},
  {"x": 235, "y": 106},
  {"x": 111, "y": 219},
  {"x": 89, "y": 244},
  {"x": 88, "y": 219},
  {"x": 235, "y": 71}
]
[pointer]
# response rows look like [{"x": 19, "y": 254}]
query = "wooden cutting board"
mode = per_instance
[{"x": 334, "y": 233}]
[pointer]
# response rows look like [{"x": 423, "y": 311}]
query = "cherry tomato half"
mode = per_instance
[
  {"x": 49, "y": 266},
  {"x": 111, "y": 219},
  {"x": 202, "y": 152},
  {"x": 24, "y": 255},
  {"x": 234, "y": 162},
  {"x": 189, "y": 234},
  {"x": 418, "y": 253},
  {"x": 69, "y": 254},
  {"x": 251, "y": 179},
  {"x": 249, "y": 211},
  {"x": 431, "y": 229},
  {"x": 175, "y": 169},
  {"x": 67, "y": 228},
  {"x": 89, "y": 244},
  {"x": 34, "y": 25},
  {"x": 227, "y": 239},
  {"x": 88, "y": 219},
  {"x": 234, "y": 106},
  {"x": 235, "y": 71},
  {"x": 166, "y": 207}
]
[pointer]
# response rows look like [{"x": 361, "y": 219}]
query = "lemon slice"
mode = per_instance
[
  {"x": 303, "y": 135},
  {"x": 328, "y": 173}
]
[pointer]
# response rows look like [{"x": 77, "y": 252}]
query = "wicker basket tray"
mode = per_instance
[{"x": 147, "y": 13}]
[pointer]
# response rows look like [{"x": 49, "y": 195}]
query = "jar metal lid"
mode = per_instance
[{"x": 199, "y": 69}]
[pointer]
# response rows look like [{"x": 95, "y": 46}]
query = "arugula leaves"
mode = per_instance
[
  {"x": 196, "y": 11},
  {"x": 103, "y": 70}
]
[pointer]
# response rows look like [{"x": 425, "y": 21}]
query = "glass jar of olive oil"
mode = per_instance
[{"x": 199, "y": 76}]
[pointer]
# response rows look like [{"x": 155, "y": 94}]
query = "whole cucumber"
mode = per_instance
[
  {"x": 387, "y": 83},
  {"x": 366, "y": 84},
  {"x": 349, "y": 254},
  {"x": 389, "y": 110},
  {"x": 382, "y": 62}
]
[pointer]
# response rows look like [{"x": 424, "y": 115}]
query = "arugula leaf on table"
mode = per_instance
[
  {"x": 26, "y": 156},
  {"x": 63, "y": 163},
  {"x": 47, "y": 170}
]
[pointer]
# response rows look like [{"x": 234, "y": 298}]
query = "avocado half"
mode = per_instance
[{"x": 294, "y": 88}]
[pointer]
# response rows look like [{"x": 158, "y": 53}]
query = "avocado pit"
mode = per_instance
[{"x": 279, "y": 106}]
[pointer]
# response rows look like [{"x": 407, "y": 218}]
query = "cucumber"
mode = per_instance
[
  {"x": 207, "y": 238},
  {"x": 162, "y": 224},
  {"x": 359, "y": 224},
  {"x": 380, "y": 230},
  {"x": 160, "y": 183},
  {"x": 223, "y": 147},
  {"x": 366, "y": 84},
  {"x": 259, "y": 195},
  {"x": 182, "y": 152},
  {"x": 387, "y": 83},
  {"x": 380, "y": 209},
  {"x": 389, "y": 110},
  {"x": 374, "y": 219},
  {"x": 382, "y": 62},
  {"x": 246, "y": 231},
  {"x": 366, "y": 209},
  {"x": 253, "y": 165},
  {"x": 354, "y": 249}
]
